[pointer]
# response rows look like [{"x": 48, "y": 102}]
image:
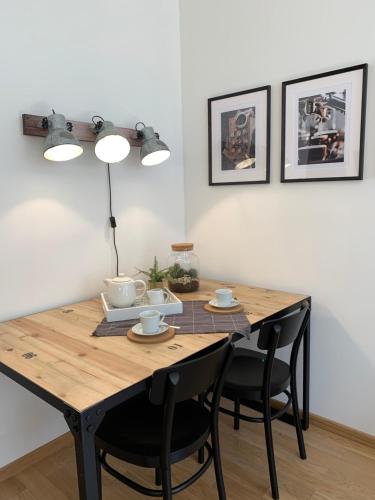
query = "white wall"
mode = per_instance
[
  {"x": 117, "y": 58},
  {"x": 317, "y": 238},
  {"x": 122, "y": 59}
]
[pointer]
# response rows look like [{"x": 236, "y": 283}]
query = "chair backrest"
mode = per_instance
[
  {"x": 192, "y": 377},
  {"x": 277, "y": 333},
  {"x": 280, "y": 332}
]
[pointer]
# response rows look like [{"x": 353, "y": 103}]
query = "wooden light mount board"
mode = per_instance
[
  {"x": 231, "y": 310},
  {"x": 83, "y": 131},
  {"x": 151, "y": 339}
]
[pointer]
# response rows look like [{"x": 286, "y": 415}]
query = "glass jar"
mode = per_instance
[{"x": 183, "y": 268}]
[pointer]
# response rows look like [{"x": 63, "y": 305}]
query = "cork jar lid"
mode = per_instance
[{"x": 182, "y": 247}]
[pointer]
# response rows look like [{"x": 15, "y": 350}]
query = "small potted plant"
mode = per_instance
[{"x": 155, "y": 275}]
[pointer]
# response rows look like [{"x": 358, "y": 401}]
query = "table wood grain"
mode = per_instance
[
  {"x": 55, "y": 350},
  {"x": 260, "y": 303}
]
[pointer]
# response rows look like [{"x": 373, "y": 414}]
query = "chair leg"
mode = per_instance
[
  {"x": 166, "y": 481},
  {"x": 158, "y": 476},
  {"x": 237, "y": 411},
  {"x": 217, "y": 463},
  {"x": 270, "y": 451},
  {"x": 297, "y": 420},
  {"x": 201, "y": 450}
]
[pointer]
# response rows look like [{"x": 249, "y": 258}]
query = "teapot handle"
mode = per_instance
[{"x": 143, "y": 285}]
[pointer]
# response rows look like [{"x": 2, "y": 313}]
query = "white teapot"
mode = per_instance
[{"x": 122, "y": 291}]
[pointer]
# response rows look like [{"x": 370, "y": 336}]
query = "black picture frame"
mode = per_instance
[
  {"x": 266, "y": 179},
  {"x": 363, "y": 100}
]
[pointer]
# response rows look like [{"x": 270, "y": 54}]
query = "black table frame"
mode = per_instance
[{"x": 83, "y": 425}]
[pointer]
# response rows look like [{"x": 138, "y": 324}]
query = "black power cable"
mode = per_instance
[{"x": 112, "y": 219}]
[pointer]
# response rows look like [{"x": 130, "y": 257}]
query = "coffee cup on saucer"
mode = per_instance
[
  {"x": 151, "y": 321},
  {"x": 224, "y": 297},
  {"x": 157, "y": 296}
]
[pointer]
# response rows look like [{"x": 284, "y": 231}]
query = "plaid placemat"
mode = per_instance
[{"x": 194, "y": 319}]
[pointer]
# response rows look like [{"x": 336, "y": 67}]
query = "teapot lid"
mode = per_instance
[{"x": 121, "y": 278}]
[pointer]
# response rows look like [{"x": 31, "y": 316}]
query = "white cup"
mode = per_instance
[
  {"x": 157, "y": 296},
  {"x": 151, "y": 321},
  {"x": 224, "y": 297}
]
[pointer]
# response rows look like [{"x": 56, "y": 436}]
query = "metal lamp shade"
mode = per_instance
[
  {"x": 111, "y": 146},
  {"x": 153, "y": 151},
  {"x": 60, "y": 145}
]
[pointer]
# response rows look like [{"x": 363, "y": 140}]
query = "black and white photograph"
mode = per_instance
[
  {"x": 239, "y": 135},
  {"x": 238, "y": 139},
  {"x": 323, "y": 126}
]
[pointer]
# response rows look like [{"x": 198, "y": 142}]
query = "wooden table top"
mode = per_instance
[
  {"x": 260, "y": 303},
  {"x": 82, "y": 370}
]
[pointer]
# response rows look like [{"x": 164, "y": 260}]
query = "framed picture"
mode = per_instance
[
  {"x": 239, "y": 137},
  {"x": 323, "y": 126}
]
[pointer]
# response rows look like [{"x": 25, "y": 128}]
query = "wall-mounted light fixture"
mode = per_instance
[
  {"x": 153, "y": 151},
  {"x": 112, "y": 143},
  {"x": 111, "y": 146},
  {"x": 60, "y": 145}
]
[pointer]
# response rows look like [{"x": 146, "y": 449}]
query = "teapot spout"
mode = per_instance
[{"x": 107, "y": 281}]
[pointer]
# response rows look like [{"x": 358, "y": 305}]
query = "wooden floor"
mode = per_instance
[{"x": 336, "y": 469}]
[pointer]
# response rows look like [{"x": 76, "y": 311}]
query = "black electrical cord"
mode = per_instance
[{"x": 112, "y": 219}]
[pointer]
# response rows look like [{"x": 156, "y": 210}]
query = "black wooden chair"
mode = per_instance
[
  {"x": 254, "y": 377},
  {"x": 166, "y": 425}
]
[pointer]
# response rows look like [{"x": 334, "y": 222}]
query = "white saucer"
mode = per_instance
[
  {"x": 137, "y": 329},
  {"x": 234, "y": 303}
]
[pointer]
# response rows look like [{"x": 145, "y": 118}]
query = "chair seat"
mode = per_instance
[
  {"x": 133, "y": 431},
  {"x": 245, "y": 376}
]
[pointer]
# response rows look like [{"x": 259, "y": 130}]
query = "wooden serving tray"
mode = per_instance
[
  {"x": 151, "y": 339},
  {"x": 229, "y": 310}
]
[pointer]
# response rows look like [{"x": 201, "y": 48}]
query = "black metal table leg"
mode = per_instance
[
  {"x": 83, "y": 427},
  {"x": 306, "y": 377}
]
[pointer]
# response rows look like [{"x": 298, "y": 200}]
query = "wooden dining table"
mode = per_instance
[{"x": 54, "y": 355}]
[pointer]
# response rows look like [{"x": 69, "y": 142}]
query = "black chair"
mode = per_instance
[
  {"x": 165, "y": 426},
  {"x": 254, "y": 377}
]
